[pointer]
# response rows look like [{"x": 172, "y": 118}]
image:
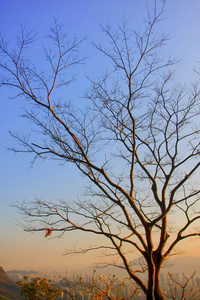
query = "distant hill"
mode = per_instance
[
  {"x": 183, "y": 264},
  {"x": 9, "y": 290},
  {"x": 23, "y": 273},
  {"x": 179, "y": 264}
]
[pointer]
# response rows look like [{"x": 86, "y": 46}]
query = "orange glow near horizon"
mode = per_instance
[{"x": 49, "y": 180}]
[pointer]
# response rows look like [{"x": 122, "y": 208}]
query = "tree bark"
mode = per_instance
[
  {"x": 158, "y": 263},
  {"x": 158, "y": 295},
  {"x": 151, "y": 282},
  {"x": 154, "y": 291}
]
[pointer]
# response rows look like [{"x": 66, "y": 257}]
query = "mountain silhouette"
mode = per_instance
[
  {"x": 183, "y": 264},
  {"x": 8, "y": 288},
  {"x": 180, "y": 264}
]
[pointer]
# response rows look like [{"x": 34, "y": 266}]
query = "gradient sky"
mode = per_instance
[{"x": 47, "y": 180}]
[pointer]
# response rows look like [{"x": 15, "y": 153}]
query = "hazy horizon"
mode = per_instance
[
  {"x": 174, "y": 264},
  {"x": 48, "y": 180}
]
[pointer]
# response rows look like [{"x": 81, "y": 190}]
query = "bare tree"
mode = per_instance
[
  {"x": 137, "y": 143},
  {"x": 98, "y": 287},
  {"x": 184, "y": 290}
]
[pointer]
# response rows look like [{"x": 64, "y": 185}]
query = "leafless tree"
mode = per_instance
[
  {"x": 137, "y": 143},
  {"x": 184, "y": 290},
  {"x": 98, "y": 286}
]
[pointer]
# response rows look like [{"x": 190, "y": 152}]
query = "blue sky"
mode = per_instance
[{"x": 49, "y": 180}]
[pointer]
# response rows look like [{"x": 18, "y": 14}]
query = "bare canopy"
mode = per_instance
[{"x": 136, "y": 140}]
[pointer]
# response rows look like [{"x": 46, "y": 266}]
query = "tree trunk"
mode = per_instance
[
  {"x": 154, "y": 291},
  {"x": 151, "y": 282},
  {"x": 157, "y": 291}
]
